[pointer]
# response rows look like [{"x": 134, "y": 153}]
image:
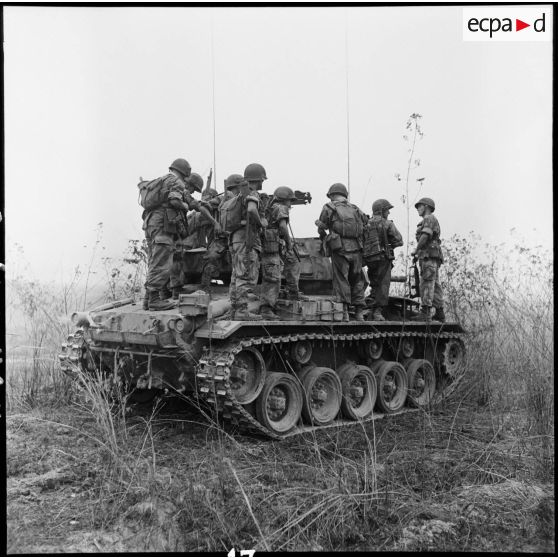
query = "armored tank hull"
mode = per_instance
[{"x": 308, "y": 370}]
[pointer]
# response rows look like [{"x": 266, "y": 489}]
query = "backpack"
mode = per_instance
[
  {"x": 230, "y": 214},
  {"x": 152, "y": 193},
  {"x": 346, "y": 220}
]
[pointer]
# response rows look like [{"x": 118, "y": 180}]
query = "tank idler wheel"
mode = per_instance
[
  {"x": 407, "y": 347},
  {"x": 391, "y": 378},
  {"x": 279, "y": 404},
  {"x": 301, "y": 351},
  {"x": 421, "y": 381},
  {"x": 247, "y": 375},
  {"x": 373, "y": 348},
  {"x": 322, "y": 395},
  {"x": 452, "y": 358},
  {"x": 359, "y": 390}
]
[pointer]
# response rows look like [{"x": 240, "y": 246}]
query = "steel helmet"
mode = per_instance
[
  {"x": 254, "y": 172},
  {"x": 182, "y": 166},
  {"x": 210, "y": 193},
  {"x": 426, "y": 201},
  {"x": 233, "y": 181},
  {"x": 337, "y": 188},
  {"x": 196, "y": 181},
  {"x": 284, "y": 193},
  {"x": 380, "y": 205}
]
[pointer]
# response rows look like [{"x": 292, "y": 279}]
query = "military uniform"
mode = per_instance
[
  {"x": 430, "y": 258},
  {"x": 380, "y": 238},
  {"x": 216, "y": 248},
  {"x": 245, "y": 259},
  {"x": 198, "y": 227},
  {"x": 348, "y": 278},
  {"x": 163, "y": 226},
  {"x": 277, "y": 258}
]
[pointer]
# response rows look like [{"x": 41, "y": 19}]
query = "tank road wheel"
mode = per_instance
[
  {"x": 421, "y": 381},
  {"x": 280, "y": 402},
  {"x": 452, "y": 358},
  {"x": 322, "y": 395},
  {"x": 407, "y": 347},
  {"x": 301, "y": 352},
  {"x": 372, "y": 349},
  {"x": 392, "y": 386},
  {"x": 359, "y": 390},
  {"x": 247, "y": 375}
]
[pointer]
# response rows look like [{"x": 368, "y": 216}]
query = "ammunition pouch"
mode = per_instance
[
  {"x": 435, "y": 251},
  {"x": 174, "y": 222},
  {"x": 271, "y": 241},
  {"x": 333, "y": 242}
]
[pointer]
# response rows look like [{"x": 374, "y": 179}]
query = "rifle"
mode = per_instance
[
  {"x": 208, "y": 184},
  {"x": 249, "y": 242},
  {"x": 389, "y": 250},
  {"x": 414, "y": 290},
  {"x": 295, "y": 249}
]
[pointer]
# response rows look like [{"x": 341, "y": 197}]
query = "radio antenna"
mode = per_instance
[
  {"x": 347, "y": 103},
  {"x": 213, "y": 100}
]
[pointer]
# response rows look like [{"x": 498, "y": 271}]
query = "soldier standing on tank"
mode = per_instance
[
  {"x": 163, "y": 225},
  {"x": 244, "y": 242},
  {"x": 278, "y": 253},
  {"x": 380, "y": 238},
  {"x": 345, "y": 222},
  {"x": 430, "y": 257}
]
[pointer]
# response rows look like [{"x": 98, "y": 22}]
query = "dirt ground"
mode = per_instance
[{"x": 450, "y": 494}]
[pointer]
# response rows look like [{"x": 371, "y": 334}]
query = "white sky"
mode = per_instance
[{"x": 96, "y": 97}]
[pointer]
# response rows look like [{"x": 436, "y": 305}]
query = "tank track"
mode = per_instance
[{"x": 214, "y": 369}]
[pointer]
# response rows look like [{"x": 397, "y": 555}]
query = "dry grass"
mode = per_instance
[{"x": 473, "y": 474}]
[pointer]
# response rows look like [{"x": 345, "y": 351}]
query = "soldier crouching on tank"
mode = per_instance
[
  {"x": 241, "y": 217},
  {"x": 430, "y": 257},
  {"x": 278, "y": 254},
  {"x": 196, "y": 231},
  {"x": 345, "y": 223},
  {"x": 380, "y": 238}
]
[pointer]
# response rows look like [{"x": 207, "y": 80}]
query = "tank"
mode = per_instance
[{"x": 308, "y": 370}]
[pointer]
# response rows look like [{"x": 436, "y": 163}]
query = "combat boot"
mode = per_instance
[
  {"x": 155, "y": 302},
  {"x": 377, "y": 315},
  {"x": 267, "y": 313},
  {"x": 243, "y": 314},
  {"x": 439, "y": 315},
  {"x": 423, "y": 315},
  {"x": 166, "y": 293},
  {"x": 360, "y": 312}
]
